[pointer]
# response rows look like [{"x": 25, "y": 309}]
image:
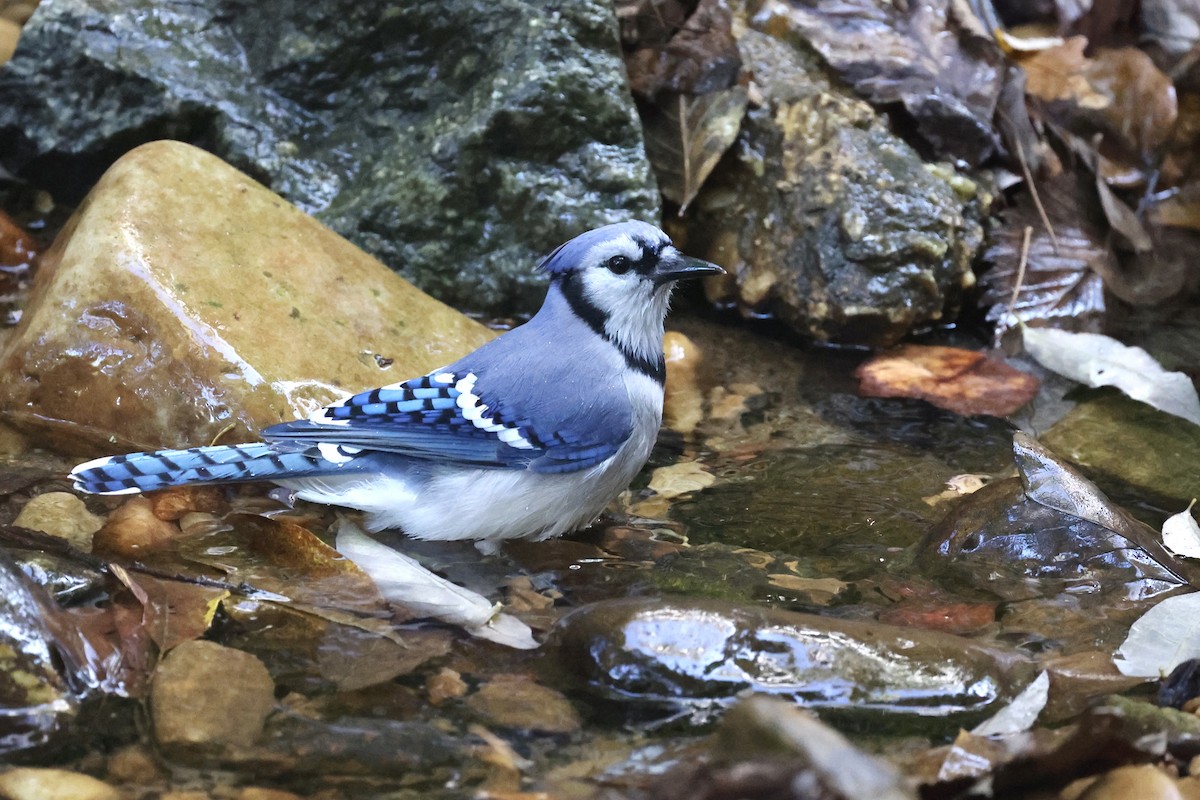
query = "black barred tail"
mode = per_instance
[{"x": 144, "y": 472}]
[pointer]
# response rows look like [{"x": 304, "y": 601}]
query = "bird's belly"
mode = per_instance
[{"x": 492, "y": 504}]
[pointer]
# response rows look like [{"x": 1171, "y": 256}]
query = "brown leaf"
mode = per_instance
[
  {"x": 688, "y": 136},
  {"x": 961, "y": 381},
  {"x": 1119, "y": 92},
  {"x": 1060, "y": 283},
  {"x": 961, "y": 618},
  {"x": 17, "y": 248},
  {"x": 173, "y": 611},
  {"x": 936, "y": 59},
  {"x": 666, "y": 50}
]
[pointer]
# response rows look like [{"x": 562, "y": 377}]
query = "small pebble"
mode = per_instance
[
  {"x": 61, "y": 514},
  {"x": 261, "y": 793},
  {"x": 445, "y": 685},
  {"x": 172, "y": 504},
  {"x": 134, "y": 764},
  {"x": 517, "y": 702},
  {"x": 133, "y": 530}
]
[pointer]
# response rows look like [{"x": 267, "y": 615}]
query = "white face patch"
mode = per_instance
[{"x": 633, "y": 308}]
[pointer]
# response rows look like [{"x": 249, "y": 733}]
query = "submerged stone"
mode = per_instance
[
  {"x": 184, "y": 302},
  {"x": 207, "y": 698},
  {"x": 690, "y": 659},
  {"x": 455, "y": 141},
  {"x": 1015, "y": 548},
  {"x": 1124, "y": 443}
]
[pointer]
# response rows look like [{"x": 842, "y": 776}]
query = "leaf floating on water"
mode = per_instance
[
  {"x": 962, "y": 381},
  {"x": 688, "y": 136},
  {"x": 681, "y": 478},
  {"x": 1181, "y": 534},
  {"x": 1162, "y": 638},
  {"x": 405, "y": 582},
  {"x": 1097, "y": 360}
]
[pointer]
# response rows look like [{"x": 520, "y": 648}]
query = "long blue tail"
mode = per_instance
[{"x": 144, "y": 472}]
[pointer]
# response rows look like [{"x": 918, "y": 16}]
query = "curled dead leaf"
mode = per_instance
[
  {"x": 686, "y": 137},
  {"x": 962, "y": 381}
]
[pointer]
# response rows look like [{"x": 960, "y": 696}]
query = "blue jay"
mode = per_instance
[{"x": 529, "y": 436}]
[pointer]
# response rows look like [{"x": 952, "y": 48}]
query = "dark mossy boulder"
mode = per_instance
[{"x": 456, "y": 142}]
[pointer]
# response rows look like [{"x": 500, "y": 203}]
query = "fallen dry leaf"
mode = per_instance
[
  {"x": 1060, "y": 281},
  {"x": 958, "y": 486},
  {"x": 687, "y": 137},
  {"x": 1120, "y": 92},
  {"x": 668, "y": 50},
  {"x": 962, "y": 381},
  {"x": 173, "y": 611}
]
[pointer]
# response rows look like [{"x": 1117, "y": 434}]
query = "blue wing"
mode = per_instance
[{"x": 442, "y": 417}]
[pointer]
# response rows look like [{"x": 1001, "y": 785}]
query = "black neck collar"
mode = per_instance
[{"x": 586, "y": 310}]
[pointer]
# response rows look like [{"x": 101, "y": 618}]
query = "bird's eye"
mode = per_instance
[{"x": 619, "y": 265}]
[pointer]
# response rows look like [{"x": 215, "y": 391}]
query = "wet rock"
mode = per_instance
[
  {"x": 713, "y": 570},
  {"x": 36, "y": 704},
  {"x": 133, "y": 531},
  {"x": 683, "y": 402},
  {"x": 297, "y": 745},
  {"x": 134, "y": 764},
  {"x": 1051, "y": 532},
  {"x": 765, "y": 729},
  {"x": 30, "y": 783},
  {"x": 936, "y": 59},
  {"x": 1130, "y": 445},
  {"x": 445, "y": 684},
  {"x": 10, "y": 32},
  {"x": 690, "y": 659},
  {"x": 185, "y": 302},
  {"x": 1143, "y": 781},
  {"x": 61, "y": 514},
  {"x": 1001, "y": 541},
  {"x": 207, "y": 698},
  {"x": 456, "y": 144},
  {"x": 829, "y": 221},
  {"x": 516, "y": 702}
]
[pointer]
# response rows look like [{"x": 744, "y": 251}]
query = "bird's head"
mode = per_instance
[{"x": 618, "y": 279}]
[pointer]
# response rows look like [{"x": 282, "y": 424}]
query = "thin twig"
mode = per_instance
[
  {"x": 222, "y": 432},
  {"x": 1037, "y": 200},
  {"x": 1020, "y": 281}
]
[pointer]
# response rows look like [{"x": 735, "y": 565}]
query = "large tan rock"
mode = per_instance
[{"x": 183, "y": 300}]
